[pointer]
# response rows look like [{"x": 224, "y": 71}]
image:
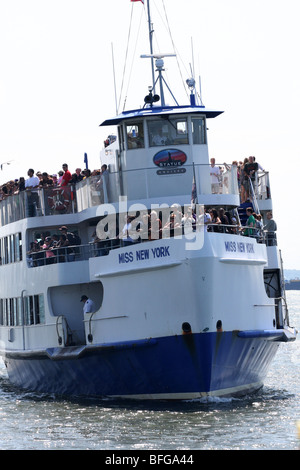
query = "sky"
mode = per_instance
[{"x": 63, "y": 72}]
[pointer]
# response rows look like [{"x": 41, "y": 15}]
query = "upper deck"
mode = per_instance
[
  {"x": 159, "y": 157},
  {"x": 96, "y": 191}
]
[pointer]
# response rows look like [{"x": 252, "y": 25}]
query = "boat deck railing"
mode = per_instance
[
  {"x": 45, "y": 257},
  {"x": 94, "y": 191}
]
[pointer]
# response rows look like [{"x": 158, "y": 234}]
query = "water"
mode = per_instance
[{"x": 264, "y": 421}]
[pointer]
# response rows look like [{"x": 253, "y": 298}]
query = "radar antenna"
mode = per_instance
[{"x": 159, "y": 62}]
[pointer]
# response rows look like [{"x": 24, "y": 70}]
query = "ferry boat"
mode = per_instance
[
  {"x": 178, "y": 310},
  {"x": 292, "y": 284}
]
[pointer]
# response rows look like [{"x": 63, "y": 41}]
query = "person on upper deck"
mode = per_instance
[
  {"x": 250, "y": 171},
  {"x": 215, "y": 220},
  {"x": 21, "y": 183},
  {"x": 104, "y": 176},
  {"x": 46, "y": 181},
  {"x": 224, "y": 219},
  {"x": 63, "y": 249},
  {"x": 251, "y": 222},
  {"x": 206, "y": 219},
  {"x": 172, "y": 227},
  {"x": 70, "y": 235},
  {"x": 259, "y": 226},
  {"x": 79, "y": 175},
  {"x": 32, "y": 184},
  {"x": 60, "y": 177},
  {"x": 215, "y": 174},
  {"x": 127, "y": 234},
  {"x": 66, "y": 176},
  {"x": 155, "y": 226},
  {"x": 270, "y": 227},
  {"x": 244, "y": 182}
]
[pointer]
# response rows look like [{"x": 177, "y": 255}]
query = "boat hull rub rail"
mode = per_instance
[
  {"x": 282, "y": 335},
  {"x": 75, "y": 352}
]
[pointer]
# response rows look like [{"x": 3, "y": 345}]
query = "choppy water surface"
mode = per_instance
[{"x": 264, "y": 421}]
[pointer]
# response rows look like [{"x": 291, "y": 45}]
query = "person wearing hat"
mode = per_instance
[
  {"x": 89, "y": 306},
  {"x": 47, "y": 247},
  {"x": 70, "y": 235}
]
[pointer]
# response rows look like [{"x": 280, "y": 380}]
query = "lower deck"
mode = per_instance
[{"x": 224, "y": 281}]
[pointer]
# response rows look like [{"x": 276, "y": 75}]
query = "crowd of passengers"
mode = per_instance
[
  {"x": 43, "y": 180},
  {"x": 56, "y": 248},
  {"x": 150, "y": 226},
  {"x": 247, "y": 172},
  {"x": 64, "y": 246}
]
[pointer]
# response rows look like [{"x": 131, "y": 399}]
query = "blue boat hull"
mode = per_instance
[{"x": 177, "y": 367}]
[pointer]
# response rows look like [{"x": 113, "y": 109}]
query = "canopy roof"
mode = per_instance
[{"x": 165, "y": 111}]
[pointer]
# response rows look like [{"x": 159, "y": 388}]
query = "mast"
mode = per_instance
[
  {"x": 159, "y": 64},
  {"x": 151, "y": 45}
]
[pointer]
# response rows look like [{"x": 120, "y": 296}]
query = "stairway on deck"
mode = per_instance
[{"x": 242, "y": 212}]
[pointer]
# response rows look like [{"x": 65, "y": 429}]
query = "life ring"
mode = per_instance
[{"x": 59, "y": 199}]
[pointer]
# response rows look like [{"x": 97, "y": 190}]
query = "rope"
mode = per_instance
[
  {"x": 133, "y": 56},
  {"x": 129, "y": 32},
  {"x": 174, "y": 47}
]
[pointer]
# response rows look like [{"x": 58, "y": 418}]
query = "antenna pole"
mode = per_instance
[
  {"x": 151, "y": 45},
  {"x": 113, "y": 63}
]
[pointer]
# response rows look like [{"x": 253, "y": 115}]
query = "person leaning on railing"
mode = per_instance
[
  {"x": 270, "y": 227},
  {"x": 248, "y": 232},
  {"x": 31, "y": 185},
  {"x": 46, "y": 181}
]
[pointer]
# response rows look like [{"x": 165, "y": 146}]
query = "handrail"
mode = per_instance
[
  {"x": 66, "y": 331},
  {"x": 90, "y": 336},
  {"x": 94, "y": 191},
  {"x": 254, "y": 200},
  {"x": 286, "y": 318},
  {"x": 60, "y": 339},
  {"x": 103, "y": 247}
]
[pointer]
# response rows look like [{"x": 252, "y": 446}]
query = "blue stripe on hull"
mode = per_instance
[{"x": 177, "y": 366}]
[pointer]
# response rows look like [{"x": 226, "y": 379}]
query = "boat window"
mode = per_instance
[
  {"x": 169, "y": 131},
  {"x": 41, "y": 308},
  {"x": 135, "y": 135},
  {"x": 5, "y": 251},
  {"x": 19, "y": 311},
  {"x": 5, "y": 317},
  {"x": 18, "y": 246},
  {"x": 1, "y": 312},
  {"x": 11, "y": 311},
  {"x": 11, "y": 249},
  {"x": 198, "y": 130}
]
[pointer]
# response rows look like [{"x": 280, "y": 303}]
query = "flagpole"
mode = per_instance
[{"x": 151, "y": 45}]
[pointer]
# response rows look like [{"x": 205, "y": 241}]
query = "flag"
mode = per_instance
[
  {"x": 138, "y": 1},
  {"x": 86, "y": 160}
]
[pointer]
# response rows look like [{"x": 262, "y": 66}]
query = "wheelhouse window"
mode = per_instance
[
  {"x": 135, "y": 135},
  {"x": 170, "y": 131},
  {"x": 198, "y": 130}
]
